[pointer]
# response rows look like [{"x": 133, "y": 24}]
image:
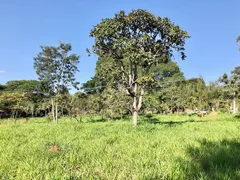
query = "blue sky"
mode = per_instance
[{"x": 26, "y": 24}]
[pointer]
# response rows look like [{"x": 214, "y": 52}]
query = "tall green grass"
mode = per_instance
[{"x": 161, "y": 147}]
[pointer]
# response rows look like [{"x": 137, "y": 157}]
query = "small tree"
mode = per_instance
[
  {"x": 56, "y": 70},
  {"x": 136, "y": 43}
]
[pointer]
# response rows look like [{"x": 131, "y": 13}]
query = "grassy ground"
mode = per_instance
[{"x": 161, "y": 147}]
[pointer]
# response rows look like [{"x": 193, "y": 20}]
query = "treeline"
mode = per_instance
[{"x": 171, "y": 94}]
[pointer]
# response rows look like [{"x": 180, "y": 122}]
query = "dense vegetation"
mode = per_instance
[{"x": 171, "y": 94}]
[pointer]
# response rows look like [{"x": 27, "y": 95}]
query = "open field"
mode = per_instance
[{"x": 161, "y": 147}]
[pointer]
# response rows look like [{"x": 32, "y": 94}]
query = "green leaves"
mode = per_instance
[
  {"x": 56, "y": 68},
  {"x": 22, "y": 86},
  {"x": 136, "y": 34},
  {"x": 136, "y": 42}
]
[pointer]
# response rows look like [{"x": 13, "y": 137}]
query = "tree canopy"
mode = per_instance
[
  {"x": 137, "y": 42},
  {"x": 56, "y": 70}
]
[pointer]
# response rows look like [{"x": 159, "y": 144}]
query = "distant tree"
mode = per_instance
[
  {"x": 106, "y": 74},
  {"x": 25, "y": 86},
  {"x": 90, "y": 86},
  {"x": 166, "y": 94},
  {"x": 214, "y": 96},
  {"x": 114, "y": 102},
  {"x": 2, "y": 88},
  {"x": 168, "y": 73},
  {"x": 15, "y": 103},
  {"x": 232, "y": 85},
  {"x": 137, "y": 42},
  {"x": 93, "y": 104},
  {"x": 56, "y": 70}
]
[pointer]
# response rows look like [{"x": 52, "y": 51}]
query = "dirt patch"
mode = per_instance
[
  {"x": 54, "y": 148},
  {"x": 25, "y": 121},
  {"x": 213, "y": 116}
]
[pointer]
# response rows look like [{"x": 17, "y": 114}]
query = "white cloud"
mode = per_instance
[{"x": 2, "y": 71}]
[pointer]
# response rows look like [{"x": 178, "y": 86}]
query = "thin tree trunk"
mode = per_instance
[
  {"x": 140, "y": 100},
  {"x": 56, "y": 109},
  {"x": 32, "y": 111},
  {"x": 111, "y": 114},
  {"x": 102, "y": 115},
  {"x": 53, "y": 114},
  {"x": 13, "y": 112},
  {"x": 121, "y": 114},
  {"x": 135, "y": 113},
  {"x": 15, "y": 117},
  {"x": 234, "y": 106}
]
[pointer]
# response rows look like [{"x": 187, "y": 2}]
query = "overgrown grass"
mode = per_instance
[{"x": 161, "y": 147}]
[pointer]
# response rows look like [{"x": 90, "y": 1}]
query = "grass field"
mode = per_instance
[{"x": 161, "y": 147}]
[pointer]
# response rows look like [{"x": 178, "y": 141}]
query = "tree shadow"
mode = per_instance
[
  {"x": 212, "y": 160},
  {"x": 153, "y": 120},
  {"x": 96, "y": 120},
  {"x": 237, "y": 116}
]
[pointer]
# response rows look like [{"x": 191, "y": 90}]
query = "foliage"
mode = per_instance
[
  {"x": 136, "y": 42},
  {"x": 231, "y": 86},
  {"x": 15, "y": 103},
  {"x": 90, "y": 86},
  {"x": 2, "y": 88},
  {"x": 23, "y": 86},
  {"x": 56, "y": 70}
]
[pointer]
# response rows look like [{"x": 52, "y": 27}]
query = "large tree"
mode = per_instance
[
  {"x": 137, "y": 42},
  {"x": 56, "y": 70}
]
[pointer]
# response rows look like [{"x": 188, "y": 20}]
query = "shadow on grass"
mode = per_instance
[
  {"x": 97, "y": 120},
  {"x": 92, "y": 119},
  {"x": 213, "y": 160},
  {"x": 153, "y": 120},
  {"x": 237, "y": 116}
]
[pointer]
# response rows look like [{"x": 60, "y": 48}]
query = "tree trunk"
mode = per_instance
[
  {"x": 111, "y": 114},
  {"x": 137, "y": 104},
  {"x": 32, "y": 111},
  {"x": 102, "y": 115},
  {"x": 135, "y": 117},
  {"x": 53, "y": 114},
  {"x": 135, "y": 112},
  {"x": 56, "y": 119},
  {"x": 15, "y": 116},
  {"x": 234, "y": 106}
]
